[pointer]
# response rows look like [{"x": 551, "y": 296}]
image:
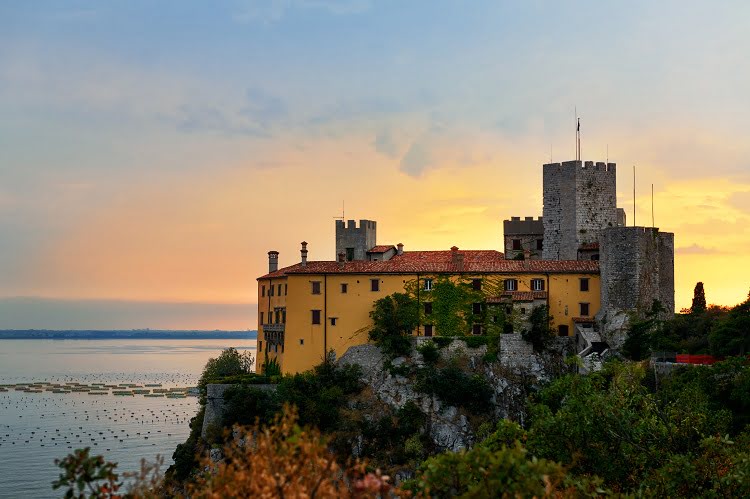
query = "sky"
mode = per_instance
[{"x": 152, "y": 153}]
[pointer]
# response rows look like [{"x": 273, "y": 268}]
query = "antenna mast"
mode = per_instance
[
  {"x": 633, "y": 195},
  {"x": 578, "y": 136},
  {"x": 652, "y": 205}
]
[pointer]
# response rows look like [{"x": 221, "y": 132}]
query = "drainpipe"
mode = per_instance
[
  {"x": 419, "y": 306},
  {"x": 325, "y": 317}
]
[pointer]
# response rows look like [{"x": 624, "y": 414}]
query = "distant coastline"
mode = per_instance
[{"x": 93, "y": 334}]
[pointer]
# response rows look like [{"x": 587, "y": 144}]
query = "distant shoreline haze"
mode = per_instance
[
  {"x": 47, "y": 334},
  {"x": 36, "y": 313}
]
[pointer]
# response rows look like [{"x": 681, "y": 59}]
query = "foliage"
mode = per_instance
[
  {"x": 429, "y": 351},
  {"x": 731, "y": 334},
  {"x": 394, "y": 318},
  {"x": 245, "y": 404},
  {"x": 643, "y": 334},
  {"x": 484, "y": 472},
  {"x": 453, "y": 386},
  {"x": 609, "y": 424},
  {"x": 540, "y": 333},
  {"x": 283, "y": 460},
  {"x": 230, "y": 362},
  {"x": 87, "y": 476},
  {"x": 271, "y": 367},
  {"x": 699, "y": 300}
]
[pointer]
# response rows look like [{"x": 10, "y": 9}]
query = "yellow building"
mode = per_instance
[{"x": 314, "y": 307}]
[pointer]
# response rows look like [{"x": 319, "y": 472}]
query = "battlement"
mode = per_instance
[
  {"x": 528, "y": 225},
  {"x": 355, "y": 240},
  {"x": 598, "y": 166}
]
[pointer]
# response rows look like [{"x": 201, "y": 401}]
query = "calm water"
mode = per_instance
[{"x": 37, "y": 428}]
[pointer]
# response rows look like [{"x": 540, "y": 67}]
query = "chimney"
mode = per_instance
[
  {"x": 400, "y": 249},
  {"x": 526, "y": 258},
  {"x": 342, "y": 259},
  {"x": 303, "y": 252},
  {"x": 457, "y": 259},
  {"x": 273, "y": 261}
]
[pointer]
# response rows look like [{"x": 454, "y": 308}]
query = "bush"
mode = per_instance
[
  {"x": 230, "y": 363},
  {"x": 455, "y": 387},
  {"x": 430, "y": 352}
]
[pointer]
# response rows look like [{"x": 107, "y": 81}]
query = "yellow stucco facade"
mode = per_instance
[{"x": 301, "y": 316}]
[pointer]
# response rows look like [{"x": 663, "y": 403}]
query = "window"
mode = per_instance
[
  {"x": 263, "y": 290},
  {"x": 333, "y": 320},
  {"x": 584, "y": 284},
  {"x": 511, "y": 284},
  {"x": 344, "y": 288},
  {"x": 476, "y": 284},
  {"x": 476, "y": 329},
  {"x": 316, "y": 316},
  {"x": 374, "y": 284},
  {"x": 523, "y": 310},
  {"x": 283, "y": 316},
  {"x": 584, "y": 309},
  {"x": 537, "y": 284},
  {"x": 261, "y": 318},
  {"x": 494, "y": 318},
  {"x": 278, "y": 317},
  {"x": 428, "y": 308},
  {"x": 476, "y": 308},
  {"x": 428, "y": 329},
  {"x": 540, "y": 244},
  {"x": 316, "y": 287},
  {"x": 562, "y": 331},
  {"x": 286, "y": 289},
  {"x": 428, "y": 284},
  {"x": 279, "y": 292},
  {"x": 516, "y": 244},
  {"x": 270, "y": 290},
  {"x": 595, "y": 256},
  {"x": 301, "y": 341},
  {"x": 508, "y": 310},
  {"x": 349, "y": 254},
  {"x": 260, "y": 345}
]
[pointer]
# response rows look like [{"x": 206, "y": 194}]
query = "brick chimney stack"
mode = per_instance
[
  {"x": 303, "y": 252},
  {"x": 273, "y": 261},
  {"x": 457, "y": 259},
  {"x": 400, "y": 249}
]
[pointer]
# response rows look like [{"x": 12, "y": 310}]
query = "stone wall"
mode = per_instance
[
  {"x": 528, "y": 231},
  {"x": 579, "y": 202},
  {"x": 361, "y": 238},
  {"x": 637, "y": 267}
]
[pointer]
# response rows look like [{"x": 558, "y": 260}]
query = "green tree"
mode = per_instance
[
  {"x": 731, "y": 334},
  {"x": 699, "y": 300},
  {"x": 394, "y": 319},
  {"x": 230, "y": 362},
  {"x": 540, "y": 333}
]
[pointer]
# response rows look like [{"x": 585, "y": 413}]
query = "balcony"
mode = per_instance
[{"x": 273, "y": 328}]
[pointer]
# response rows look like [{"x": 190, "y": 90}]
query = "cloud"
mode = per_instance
[
  {"x": 696, "y": 249},
  {"x": 740, "y": 200},
  {"x": 263, "y": 109},
  {"x": 385, "y": 144},
  {"x": 417, "y": 159}
]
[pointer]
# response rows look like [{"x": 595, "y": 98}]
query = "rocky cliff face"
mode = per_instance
[{"x": 517, "y": 370}]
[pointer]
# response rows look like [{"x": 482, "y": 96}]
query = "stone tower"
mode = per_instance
[
  {"x": 355, "y": 241},
  {"x": 580, "y": 200},
  {"x": 637, "y": 267}
]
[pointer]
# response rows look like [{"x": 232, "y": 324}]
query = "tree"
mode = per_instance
[
  {"x": 394, "y": 318},
  {"x": 230, "y": 363},
  {"x": 540, "y": 333},
  {"x": 699, "y": 300},
  {"x": 731, "y": 334}
]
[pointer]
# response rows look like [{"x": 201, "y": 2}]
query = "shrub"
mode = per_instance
[
  {"x": 394, "y": 318},
  {"x": 429, "y": 351}
]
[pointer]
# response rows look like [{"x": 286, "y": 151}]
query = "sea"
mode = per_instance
[{"x": 48, "y": 409}]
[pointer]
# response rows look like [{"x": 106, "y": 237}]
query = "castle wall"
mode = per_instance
[
  {"x": 361, "y": 238},
  {"x": 596, "y": 201},
  {"x": 528, "y": 231},
  {"x": 637, "y": 267}
]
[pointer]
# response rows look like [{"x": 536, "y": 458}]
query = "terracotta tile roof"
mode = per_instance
[
  {"x": 381, "y": 249},
  {"x": 518, "y": 296},
  {"x": 441, "y": 262}
]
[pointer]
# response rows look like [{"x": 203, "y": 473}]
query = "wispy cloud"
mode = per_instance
[{"x": 696, "y": 249}]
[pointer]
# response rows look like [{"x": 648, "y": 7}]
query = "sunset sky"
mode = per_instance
[{"x": 151, "y": 153}]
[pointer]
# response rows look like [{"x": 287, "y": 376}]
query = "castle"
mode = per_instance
[{"x": 579, "y": 259}]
